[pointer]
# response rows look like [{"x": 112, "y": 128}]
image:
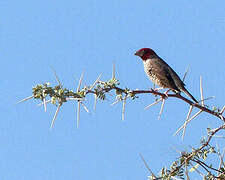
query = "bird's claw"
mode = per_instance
[{"x": 156, "y": 89}]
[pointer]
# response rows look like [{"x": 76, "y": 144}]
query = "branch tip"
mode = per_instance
[
  {"x": 55, "y": 115},
  {"x": 201, "y": 91},
  {"x": 44, "y": 102},
  {"x": 56, "y": 77},
  {"x": 95, "y": 101},
  {"x": 80, "y": 81},
  {"x": 161, "y": 109},
  {"x": 78, "y": 114},
  {"x": 40, "y": 104},
  {"x": 222, "y": 111},
  {"x": 123, "y": 108},
  {"x": 156, "y": 102},
  {"x": 146, "y": 165},
  {"x": 25, "y": 99},
  {"x": 185, "y": 74},
  {"x": 113, "y": 71},
  {"x": 96, "y": 81},
  {"x": 188, "y": 121},
  {"x": 85, "y": 107},
  {"x": 185, "y": 124}
]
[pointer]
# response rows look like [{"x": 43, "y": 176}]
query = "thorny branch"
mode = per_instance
[{"x": 58, "y": 95}]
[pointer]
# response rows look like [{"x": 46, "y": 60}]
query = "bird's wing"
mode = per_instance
[
  {"x": 165, "y": 74},
  {"x": 169, "y": 77},
  {"x": 179, "y": 83}
]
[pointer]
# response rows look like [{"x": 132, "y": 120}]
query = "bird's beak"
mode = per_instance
[{"x": 137, "y": 54}]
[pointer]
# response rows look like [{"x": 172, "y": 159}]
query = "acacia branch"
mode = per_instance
[
  {"x": 136, "y": 92},
  {"x": 58, "y": 95},
  {"x": 203, "y": 108},
  {"x": 205, "y": 165}
]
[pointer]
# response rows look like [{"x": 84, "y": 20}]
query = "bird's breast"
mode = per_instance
[
  {"x": 149, "y": 71},
  {"x": 152, "y": 72}
]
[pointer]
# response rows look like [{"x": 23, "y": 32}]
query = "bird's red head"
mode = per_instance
[{"x": 145, "y": 53}]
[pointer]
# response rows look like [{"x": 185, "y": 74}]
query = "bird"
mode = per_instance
[{"x": 160, "y": 73}]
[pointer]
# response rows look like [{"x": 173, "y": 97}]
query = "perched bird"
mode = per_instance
[{"x": 160, "y": 73}]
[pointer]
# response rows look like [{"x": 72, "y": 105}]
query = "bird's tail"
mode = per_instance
[{"x": 186, "y": 92}]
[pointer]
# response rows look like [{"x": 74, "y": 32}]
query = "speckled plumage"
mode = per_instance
[{"x": 160, "y": 73}]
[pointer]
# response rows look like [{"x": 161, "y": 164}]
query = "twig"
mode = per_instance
[
  {"x": 185, "y": 74},
  {"x": 80, "y": 81},
  {"x": 25, "y": 99},
  {"x": 78, "y": 114},
  {"x": 206, "y": 99},
  {"x": 156, "y": 102},
  {"x": 115, "y": 102},
  {"x": 222, "y": 111},
  {"x": 186, "y": 170},
  {"x": 95, "y": 101},
  {"x": 75, "y": 99},
  {"x": 85, "y": 108},
  {"x": 113, "y": 72},
  {"x": 221, "y": 156},
  {"x": 204, "y": 164},
  {"x": 56, "y": 77},
  {"x": 146, "y": 165},
  {"x": 185, "y": 124},
  {"x": 54, "y": 118},
  {"x": 161, "y": 109},
  {"x": 44, "y": 101},
  {"x": 201, "y": 91},
  {"x": 200, "y": 165},
  {"x": 205, "y": 109},
  {"x": 210, "y": 136},
  {"x": 123, "y": 108},
  {"x": 96, "y": 81},
  {"x": 174, "y": 178},
  {"x": 196, "y": 169}
]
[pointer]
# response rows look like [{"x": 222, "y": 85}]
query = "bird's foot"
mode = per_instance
[
  {"x": 166, "y": 92},
  {"x": 156, "y": 89}
]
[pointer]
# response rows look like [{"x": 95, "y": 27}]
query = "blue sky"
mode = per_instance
[{"x": 76, "y": 36}]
